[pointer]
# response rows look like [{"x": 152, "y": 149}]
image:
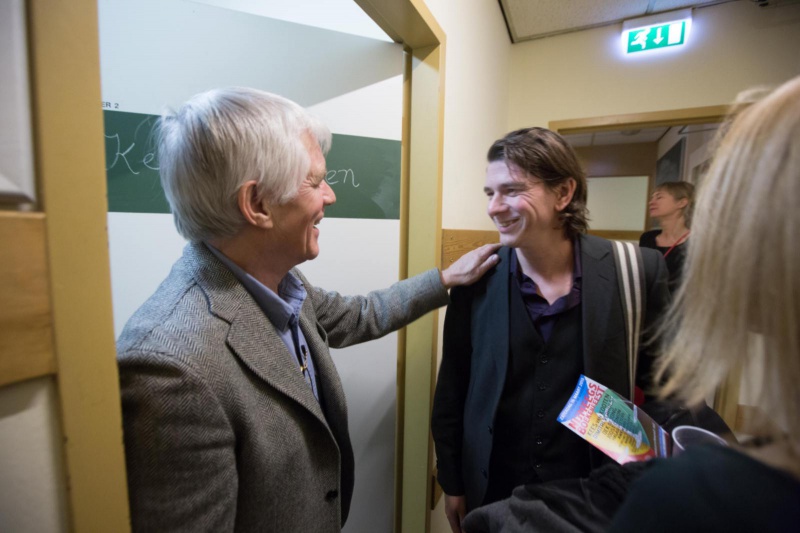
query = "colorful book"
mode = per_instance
[{"x": 613, "y": 424}]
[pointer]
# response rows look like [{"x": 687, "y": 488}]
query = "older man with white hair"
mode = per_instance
[{"x": 234, "y": 414}]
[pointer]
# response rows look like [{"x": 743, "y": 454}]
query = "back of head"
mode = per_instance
[
  {"x": 681, "y": 190},
  {"x": 546, "y": 155},
  {"x": 222, "y": 138},
  {"x": 742, "y": 276}
]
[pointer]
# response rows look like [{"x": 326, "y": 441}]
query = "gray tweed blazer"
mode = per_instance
[{"x": 221, "y": 431}]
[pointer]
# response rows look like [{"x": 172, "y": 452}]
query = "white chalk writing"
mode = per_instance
[{"x": 333, "y": 177}]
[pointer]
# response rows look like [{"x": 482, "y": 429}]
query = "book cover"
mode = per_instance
[{"x": 613, "y": 424}]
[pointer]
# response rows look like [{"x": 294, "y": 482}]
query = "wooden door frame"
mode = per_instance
[
  {"x": 411, "y": 23},
  {"x": 675, "y": 117},
  {"x": 63, "y": 248},
  {"x": 69, "y": 159}
]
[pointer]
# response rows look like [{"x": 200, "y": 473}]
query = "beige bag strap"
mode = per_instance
[{"x": 632, "y": 292}]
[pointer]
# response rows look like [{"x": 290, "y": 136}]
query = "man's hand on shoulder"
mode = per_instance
[{"x": 471, "y": 266}]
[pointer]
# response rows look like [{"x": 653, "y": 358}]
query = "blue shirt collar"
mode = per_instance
[{"x": 281, "y": 309}]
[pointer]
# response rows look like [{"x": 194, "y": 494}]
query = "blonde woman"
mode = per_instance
[
  {"x": 742, "y": 282},
  {"x": 671, "y": 205}
]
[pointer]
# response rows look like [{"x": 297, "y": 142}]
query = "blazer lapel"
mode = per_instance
[
  {"x": 598, "y": 291},
  {"x": 328, "y": 380},
  {"x": 251, "y": 336},
  {"x": 253, "y": 339}
]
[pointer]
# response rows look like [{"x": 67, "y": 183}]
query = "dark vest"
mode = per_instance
[{"x": 529, "y": 444}]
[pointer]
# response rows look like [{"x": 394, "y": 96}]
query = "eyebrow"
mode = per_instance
[
  {"x": 318, "y": 176},
  {"x": 506, "y": 185}
]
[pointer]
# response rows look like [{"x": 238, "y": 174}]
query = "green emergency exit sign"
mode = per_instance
[{"x": 653, "y": 37}]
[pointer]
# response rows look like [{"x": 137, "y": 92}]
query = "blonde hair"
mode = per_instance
[{"x": 742, "y": 274}]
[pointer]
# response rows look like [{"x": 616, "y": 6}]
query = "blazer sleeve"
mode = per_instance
[
  {"x": 657, "y": 305},
  {"x": 179, "y": 446},
  {"x": 350, "y": 320},
  {"x": 452, "y": 384}
]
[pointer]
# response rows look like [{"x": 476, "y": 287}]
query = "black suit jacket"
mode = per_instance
[{"x": 476, "y": 351}]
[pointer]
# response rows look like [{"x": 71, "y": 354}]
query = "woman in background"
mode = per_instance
[
  {"x": 671, "y": 205},
  {"x": 742, "y": 283}
]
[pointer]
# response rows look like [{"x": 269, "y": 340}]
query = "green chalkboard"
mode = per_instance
[
  {"x": 131, "y": 164},
  {"x": 364, "y": 172}
]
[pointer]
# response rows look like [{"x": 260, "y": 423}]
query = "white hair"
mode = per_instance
[{"x": 219, "y": 140}]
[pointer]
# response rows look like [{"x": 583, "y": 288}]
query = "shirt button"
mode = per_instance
[
  {"x": 332, "y": 495},
  {"x": 538, "y": 465},
  {"x": 540, "y": 414},
  {"x": 542, "y": 386},
  {"x": 539, "y": 441},
  {"x": 544, "y": 361}
]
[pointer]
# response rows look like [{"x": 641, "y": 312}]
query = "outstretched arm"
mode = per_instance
[{"x": 349, "y": 320}]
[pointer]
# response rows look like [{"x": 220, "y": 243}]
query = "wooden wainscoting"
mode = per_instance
[
  {"x": 26, "y": 323},
  {"x": 457, "y": 242}
]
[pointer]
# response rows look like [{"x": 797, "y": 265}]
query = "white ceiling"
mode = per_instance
[{"x": 533, "y": 19}]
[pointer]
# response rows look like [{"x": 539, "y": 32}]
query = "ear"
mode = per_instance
[
  {"x": 683, "y": 202},
  {"x": 255, "y": 211},
  {"x": 564, "y": 193}
]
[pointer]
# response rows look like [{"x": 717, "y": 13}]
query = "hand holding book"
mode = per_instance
[{"x": 613, "y": 424}]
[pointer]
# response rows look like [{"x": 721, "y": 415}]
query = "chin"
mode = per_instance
[{"x": 510, "y": 241}]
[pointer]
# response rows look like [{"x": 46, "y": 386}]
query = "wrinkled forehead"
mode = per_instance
[{"x": 507, "y": 171}]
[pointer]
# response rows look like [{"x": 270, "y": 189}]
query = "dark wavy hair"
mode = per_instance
[{"x": 546, "y": 155}]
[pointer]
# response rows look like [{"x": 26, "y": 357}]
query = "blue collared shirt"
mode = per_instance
[
  {"x": 282, "y": 310},
  {"x": 543, "y": 315}
]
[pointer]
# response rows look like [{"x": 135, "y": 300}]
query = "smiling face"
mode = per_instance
[
  {"x": 522, "y": 207},
  {"x": 663, "y": 204},
  {"x": 295, "y": 222}
]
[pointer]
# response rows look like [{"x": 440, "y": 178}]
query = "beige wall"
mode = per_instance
[
  {"x": 33, "y": 492},
  {"x": 476, "y": 103},
  {"x": 731, "y": 47}
]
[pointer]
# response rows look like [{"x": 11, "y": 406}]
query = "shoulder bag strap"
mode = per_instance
[{"x": 632, "y": 292}]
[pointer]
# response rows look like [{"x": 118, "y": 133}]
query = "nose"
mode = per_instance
[
  {"x": 328, "y": 196},
  {"x": 496, "y": 205}
]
